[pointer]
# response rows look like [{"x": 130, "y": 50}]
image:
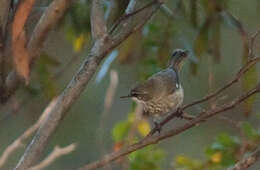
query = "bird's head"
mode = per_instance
[{"x": 177, "y": 59}]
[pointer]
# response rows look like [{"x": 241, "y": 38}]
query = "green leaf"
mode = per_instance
[
  {"x": 32, "y": 90},
  {"x": 194, "y": 68},
  {"x": 49, "y": 60},
  {"x": 227, "y": 140},
  {"x": 120, "y": 131},
  {"x": 187, "y": 162},
  {"x": 201, "y": 41},
  {"x": 250, "y": 131},
  {"x": 228, "y": 159},
  {"x": 194, "y": 13},
  {"x": 249, "y": 80},
  {"x": 148, "y": 158},
  {"x": 223, "y": 143},
  {"x": 44, "y": 76},
  {"x": 216, "y": 39}
]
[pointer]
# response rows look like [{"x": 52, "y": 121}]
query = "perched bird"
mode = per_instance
[{"x": 162, "y": 93}]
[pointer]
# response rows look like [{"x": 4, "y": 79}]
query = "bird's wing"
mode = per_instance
[
  {"x": 143, "y": 91},
  {"x": 166, "y": 81},
  {"x": 158, "y": 85}
]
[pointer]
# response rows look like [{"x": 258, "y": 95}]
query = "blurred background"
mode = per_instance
[{"x": 100, "y": 122}]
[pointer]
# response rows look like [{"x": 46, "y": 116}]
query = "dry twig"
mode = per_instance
[
  {"x": 247, "y": 162},
  {"x": 55, "y": 154},
  {"x": 173, "y": 132},
  {"x": 19, "y": 142},
  {"x": 237, "y": 77}
]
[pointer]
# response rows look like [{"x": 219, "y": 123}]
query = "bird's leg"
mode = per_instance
[
  {"x": 179, "y": 113},
  {"x": 157, "y": 127},
  {"x": 157, "y": 124}
]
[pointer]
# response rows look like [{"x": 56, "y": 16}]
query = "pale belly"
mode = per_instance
[{"x": 165, "y": 105}]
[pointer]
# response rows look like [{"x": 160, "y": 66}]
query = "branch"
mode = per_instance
[
  {"x": 20, "y": 140},
  {"x": 51, "y": 16},
  {"x": 4, "y": 13},
  {"x": 98, "y": 24},
  {"x": 173, "y": 132},
  {"x": 128, "y": 26},
  {"x": 251, "y": 62},
  {"x": 252, "y": 42},
  {"x": 247, "y": 162},
  {"x": 108, "y": 101},
  {"x": 101, "y": 47},
  {"x": 239, "y": 74},
  {"x": 56, "y": 153},
  {"x": 130, "y": 12},
  {"x": 5, "y": 7}
]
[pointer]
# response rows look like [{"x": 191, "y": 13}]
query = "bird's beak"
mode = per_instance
[
  {"x": 128, "y": 96},
  {"x": 186, "y": 53},
  {"x": 191, "y": 57}
]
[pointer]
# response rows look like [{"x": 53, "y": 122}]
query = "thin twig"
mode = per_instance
[
  {"x": 127, "y": 15},
  {"x": 55, "y": 154},
  {"x": 252, "y": 42},
  {"x": 247, "y": 162},
  {"x": 173, "y": 132},
  {"x": 241, "y": 72},
  {"x": 110, "y": 93},
  {"x": 19, "y": 142},
  {"x": 236, "y": 125},
  {"x": 237, "y": 77}
]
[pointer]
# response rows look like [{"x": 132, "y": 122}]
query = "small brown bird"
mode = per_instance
[{"x": 162, "y": 93}]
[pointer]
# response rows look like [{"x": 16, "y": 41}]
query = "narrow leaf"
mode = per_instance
[
  {"x": 201, "y": 42},
  {"x": 21, "y": 56},
  {"x": 216, "y": 39}
]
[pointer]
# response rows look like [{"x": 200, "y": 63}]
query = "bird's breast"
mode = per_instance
[{"x": 164, "y": 104}]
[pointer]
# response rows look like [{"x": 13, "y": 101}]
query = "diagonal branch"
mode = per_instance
[
  {"x": 237, "y": 77},
  {"x": 98, "y": 24},
  {"x": 5, "y": 7},
  {"x": 247, "y": 162},
  {"x": 130, "y": 12},
  {"x": 100, "y": 49},
  {"x": 173, "y": 132},
  {"x": 240, "y": 73},
  {"x": 19, "y": 142},
  {"x": 55, "y": 154}
]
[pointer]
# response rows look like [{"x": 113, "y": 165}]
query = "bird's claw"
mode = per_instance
[
  {"x": 157, "y": 127},
  {"x": 179, "y": 113}
]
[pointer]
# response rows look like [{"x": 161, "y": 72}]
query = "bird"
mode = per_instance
[{"x": 161, "y": 93}]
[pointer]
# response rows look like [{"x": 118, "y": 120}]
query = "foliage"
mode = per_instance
[
  {"x": 196, "y": 25},
  {"x": 223, "y": 152},
  {"x": 46, "y": 81},
  {"x": 148, "y": 158},
  {"x": 77, "y": 25},
  {"x": 129, "y": 131},
  {"x": 250, "y": 131}
]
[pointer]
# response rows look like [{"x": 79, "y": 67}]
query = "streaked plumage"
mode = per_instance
[{"x": 162, "y": 92}]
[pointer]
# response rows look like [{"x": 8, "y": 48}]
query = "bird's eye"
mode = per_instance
[{"x": 175, "y": 53}]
